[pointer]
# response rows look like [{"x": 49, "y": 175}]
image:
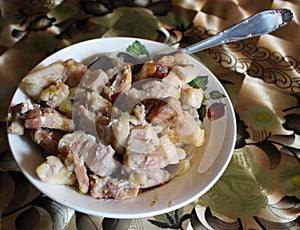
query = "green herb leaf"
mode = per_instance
[
  {"x": 216, "y": 94},
  {"x": 202, "y": 112},
  {"x": 199, "y": 82},
  {"x": 137, "y": 49}
]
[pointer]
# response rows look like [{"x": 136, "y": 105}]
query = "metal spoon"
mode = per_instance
[{"x": 261, "y": 23}]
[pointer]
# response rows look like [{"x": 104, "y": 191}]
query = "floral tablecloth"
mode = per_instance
[{"x": 260, "y": 188}]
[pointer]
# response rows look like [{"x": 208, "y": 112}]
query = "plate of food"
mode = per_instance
[{"x": 127, "y": 139}]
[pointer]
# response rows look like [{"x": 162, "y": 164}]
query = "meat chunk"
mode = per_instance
[
  {"x": 114, "y": 188},
  {"x": 36, "y": 81},
  {"x": 54, "y": 171},
  {"x": 148, "y": 178},
  {"x": 84, "y": 119},
  {"x": 185, "y": 73},
  {"x": 55, "y": 94},
  {"x": 48, "y": 139},
  {"x": 97, "y": 157},
  {"x": 121, "y": 82},
  {"x": 95, "y": 80},
  {"x": 142, "y": 161},
  {"x": 142, "y": 139},
  {"x": 180, "y": 59},
  {"x": 48, "y": 118},
  {"x": 94, "y": 102},
  {"x": 191, "y": 96},
  {"x": 159, "y": 89},
  {"x": 74, "y": 71},
  {"x": 166, "y": 112},
  {"x": 75, "y": 163},
  {"x": 152, "y": 70},
  {"x": 187, "y": 131},
  {"x": 17, "y": 115}
]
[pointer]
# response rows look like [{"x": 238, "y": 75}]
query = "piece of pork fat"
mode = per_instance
[
  {"x": 97, "y": 157},
  {"x": 55, "y": 172},
  {"x": 141, "y": 161},
  {"x": 75, "y": 163},
  {"x": 180, "y": 59},
  {"x": 159, "y": 89},
  {"x": 48, "y": 118},
  {"x": 74, "y": 71},
  {"x": 48, "y": 139},
  {"x": 148, "y": 178},
  {"x": 191, "y": 96},
  {"x": 185, "y": 73},
  {"x": 114, "y": 188},
  {"x": 187, "y": 131},
  {"x": 142, "y": 139},
  {"x": 36, "y": 81}
]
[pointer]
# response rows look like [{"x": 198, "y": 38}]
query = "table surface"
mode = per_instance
[{"x": 260, "y": 189}]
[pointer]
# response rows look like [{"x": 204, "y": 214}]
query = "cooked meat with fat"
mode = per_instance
[
  {"x": 75, "y": 163},
  {"x": 54, "y": 171},
  {"x": 48, "y": 139},
  {"x": 97, "y": 157},
  {"x": 48, "y": 118},
  {"x": 74, "y": 71},
  {"x": 114, "y": 188}
]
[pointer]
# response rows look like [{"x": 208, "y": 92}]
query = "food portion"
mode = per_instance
[{"x": 112, "y": 133}]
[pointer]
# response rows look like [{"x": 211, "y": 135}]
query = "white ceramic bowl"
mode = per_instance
[{"x": 208, "y": 165}]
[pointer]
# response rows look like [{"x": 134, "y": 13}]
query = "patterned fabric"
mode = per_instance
[{"x": 260, "y": 188}]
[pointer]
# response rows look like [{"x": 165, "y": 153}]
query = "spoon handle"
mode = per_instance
[{"x": 256, "y": 25}]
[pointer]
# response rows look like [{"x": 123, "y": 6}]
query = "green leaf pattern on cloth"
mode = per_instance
[
  {"x": 243, "y": 188},
  {"x": 261, "y": 76}
]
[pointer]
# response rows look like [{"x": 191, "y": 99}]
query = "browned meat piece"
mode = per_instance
[
  {"x": 75, "y": 162},
  {"x": 47, "y": 118},
  {"x": 47, "y": 139},
  {"x": 152, "y": 70},
  {"x": 55, "y": 94},
  {"x": 121, "y": 82},
  {"x": 114, "y": 188},
  {"x": 74, "y": 71},
  {"x": 164, "y": 112},
  {"x": 34, "y": 119},
  {"x": 98, "y": 157},
  {"x": 17, "y": 116}
]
